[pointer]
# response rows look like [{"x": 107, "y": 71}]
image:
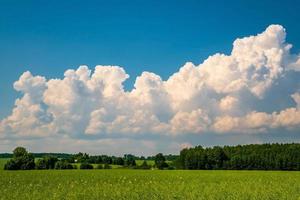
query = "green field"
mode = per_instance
[
  {"x": 149, "y": 184},
  {"x": 149, "y": 162},
  {"x": 2, "y": 162}
]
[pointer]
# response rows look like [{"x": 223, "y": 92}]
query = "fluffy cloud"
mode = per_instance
[{"x": 236, "y": 93}]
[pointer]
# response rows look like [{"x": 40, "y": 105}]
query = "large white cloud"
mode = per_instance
[{"x": 236, "y": 93}]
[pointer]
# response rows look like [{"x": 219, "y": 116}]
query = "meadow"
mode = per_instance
[
  {"x": 2, "y": 162},
  {"x": 149, "y": 184}
]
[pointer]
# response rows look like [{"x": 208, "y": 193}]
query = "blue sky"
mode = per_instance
[
  {"x": 48, "y": 37},
  {"x": 249, "y": 95}
]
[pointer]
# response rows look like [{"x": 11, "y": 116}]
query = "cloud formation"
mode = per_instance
[{"x": 254, "y": 90}]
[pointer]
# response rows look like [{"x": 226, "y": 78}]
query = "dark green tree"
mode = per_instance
[
  {"x": 47, "y": 162},
  {"x": 119, "y": 161},
  {"x": 41, "y": 164},
  {"x": 19, "y": 152},
  {"x": 251, "y": 157},
  {"x": 160, "y": 161},
  {"x": 144, "y": 165},
  {"x": 86, "y": 166},
  {"x": 107, "y": 166},
  {"x": 129, "y": 160},
  {"x": 21, "y": 160},
  {"x": 63, "y": 164}
]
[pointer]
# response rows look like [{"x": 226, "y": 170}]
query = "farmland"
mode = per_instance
[
  {"x": 128, "y": 178},
  {"x": 149, "y": 184}
]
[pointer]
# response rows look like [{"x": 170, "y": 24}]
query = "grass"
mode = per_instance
[
  {"x": 140, "y": 162},
  {"x": 149, "y": 162},
  {"x": 149, "y": 184},
  {"x": 2, "y": 162}
]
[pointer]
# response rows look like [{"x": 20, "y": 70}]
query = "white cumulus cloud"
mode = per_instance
[{"x": 236, "y": 93}]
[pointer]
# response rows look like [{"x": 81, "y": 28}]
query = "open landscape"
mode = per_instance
[
  {"x": 159, "y": 178},
  {"x": 149, "y": 184},
  {"x": 149, "y": 100}
]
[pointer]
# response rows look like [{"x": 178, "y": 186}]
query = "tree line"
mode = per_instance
[
  {"x": 241, "y": 157},
  {"x": 23, "y": 160},
  {"x": 248, "y": 157},
  {"x": 39, "y": 155},
  {"x": 126, "y": 160}
]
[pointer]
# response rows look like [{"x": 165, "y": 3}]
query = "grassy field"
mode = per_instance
[
  {"x": 2, "y": 162},
  {"x": 149, "y": 162},
  {"x": 149, "y": 184}
]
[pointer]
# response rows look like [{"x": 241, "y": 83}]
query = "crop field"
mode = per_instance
[{"x": 149, "y": 184}]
